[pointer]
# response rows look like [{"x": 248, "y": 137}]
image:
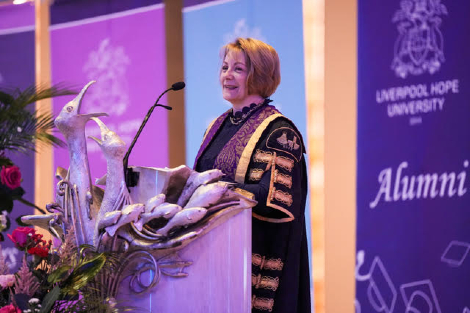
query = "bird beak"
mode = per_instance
[
  {"x": 92, "y": 115},
  {"x": 77, "y": 102},
  {"x": 99, "y": 142},
  {"x": 103, "y": 128}
]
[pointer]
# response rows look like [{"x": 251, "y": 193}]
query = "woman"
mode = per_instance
[{"x": 262, "y": 151}]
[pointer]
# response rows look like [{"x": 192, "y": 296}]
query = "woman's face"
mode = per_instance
[{"x": 233, "y": 77}]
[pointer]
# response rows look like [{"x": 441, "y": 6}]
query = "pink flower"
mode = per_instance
[
  {"x": 20, "y": 236},
  {"x": 10, "y": 176},
  {"x": 10, "y": 309},
  {"x": 7, "y": 280}
]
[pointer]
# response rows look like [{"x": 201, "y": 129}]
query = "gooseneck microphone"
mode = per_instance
[
  {"x": 127, "y": 175},
  {"x": 178, "y": 86}
]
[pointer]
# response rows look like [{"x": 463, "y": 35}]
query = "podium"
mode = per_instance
[{"x": 219, "y": 278}]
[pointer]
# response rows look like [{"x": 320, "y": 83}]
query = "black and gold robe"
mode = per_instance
[{"x": 264, "y": 155}]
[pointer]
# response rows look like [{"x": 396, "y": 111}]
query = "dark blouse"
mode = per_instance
[{"x": 280, "y": 268}]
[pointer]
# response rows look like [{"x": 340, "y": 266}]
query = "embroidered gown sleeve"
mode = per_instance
[{"x": 275, "y": 174}]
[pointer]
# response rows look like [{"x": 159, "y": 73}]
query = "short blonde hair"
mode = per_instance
[{"x": 264, "y": 70}]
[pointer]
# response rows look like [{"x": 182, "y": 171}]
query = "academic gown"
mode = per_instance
[{"x": 264, "y": 154}]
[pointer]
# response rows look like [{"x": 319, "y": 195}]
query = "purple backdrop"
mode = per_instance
[
  {"x": 13, "y": 16},
  {"x": 63, "y": 11},
  {"x": 125, "y": 53},
  {"x": 17, "y": 71}
]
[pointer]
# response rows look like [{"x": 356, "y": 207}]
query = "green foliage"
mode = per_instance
[
  {"x": 94, "y": 297},
  {"x": 76, "y": 283},
  {"x": 83, "y": 273},
  {"x": 59, "y": 274},
  {"x": 5, "y": 199},
  {"x": 24, "y": 201},
  {"x": 21, "y": 129},
  {"x": 20, "y": 222},
  {"x": 5, "y": 161},
  {"x": 20, "y": 126},
  {"x": 50, "y": 299}
]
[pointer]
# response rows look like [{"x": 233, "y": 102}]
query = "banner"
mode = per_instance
[
  {"x": 413, "y": 234},
  {"x": 124, "y": 52}
]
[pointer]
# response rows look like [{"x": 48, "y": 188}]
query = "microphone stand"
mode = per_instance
[{"x": 130, "y": 176}]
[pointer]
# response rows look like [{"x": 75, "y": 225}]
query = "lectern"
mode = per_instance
[{"x": 219, "y": 275}]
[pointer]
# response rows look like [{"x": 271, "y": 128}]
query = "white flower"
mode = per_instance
[
  {"x": 33, "y": 301},
  {"x": 7, "y": 280}
]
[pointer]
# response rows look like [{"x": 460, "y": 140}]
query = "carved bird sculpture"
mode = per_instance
[
  {"x": 79, "y": 205},
  {"x": 116, "y": 195}
]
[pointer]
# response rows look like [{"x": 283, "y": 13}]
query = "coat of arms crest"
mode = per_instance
[{"x": 419, "y": 47}]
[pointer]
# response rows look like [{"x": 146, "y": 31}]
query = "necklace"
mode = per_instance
[{"x": 242, "y": 115}]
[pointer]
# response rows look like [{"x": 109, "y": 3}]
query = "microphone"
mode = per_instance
[
  {"x": 131, "y": 181},
  {"x": 178, "y": 86}
]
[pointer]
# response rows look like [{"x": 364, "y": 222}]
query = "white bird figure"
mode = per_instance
[
  {"x": 78, "y": 199},
  {"x": 116, "y": 195}
]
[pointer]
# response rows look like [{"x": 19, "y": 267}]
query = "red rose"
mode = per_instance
[
  {"x": 10, "y": 309},
  {"x": 20, "y": 236},
  {"x": 11, "y": 176},
  {"x": 41, "y": 252}
]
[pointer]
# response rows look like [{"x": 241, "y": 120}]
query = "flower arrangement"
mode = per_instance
[
  {"x": 50, "y": 279},
  {"x": 61, "y": 279},
  {"x": 10, "y": 190},
  {"x": 20, "y": 131}
]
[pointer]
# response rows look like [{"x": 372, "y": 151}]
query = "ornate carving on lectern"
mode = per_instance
[{"x": 148, "y": 224}]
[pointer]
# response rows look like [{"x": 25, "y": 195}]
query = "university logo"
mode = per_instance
[
  {"x": 107, "y": 65},
  {"x": 419, "y": 46}
]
